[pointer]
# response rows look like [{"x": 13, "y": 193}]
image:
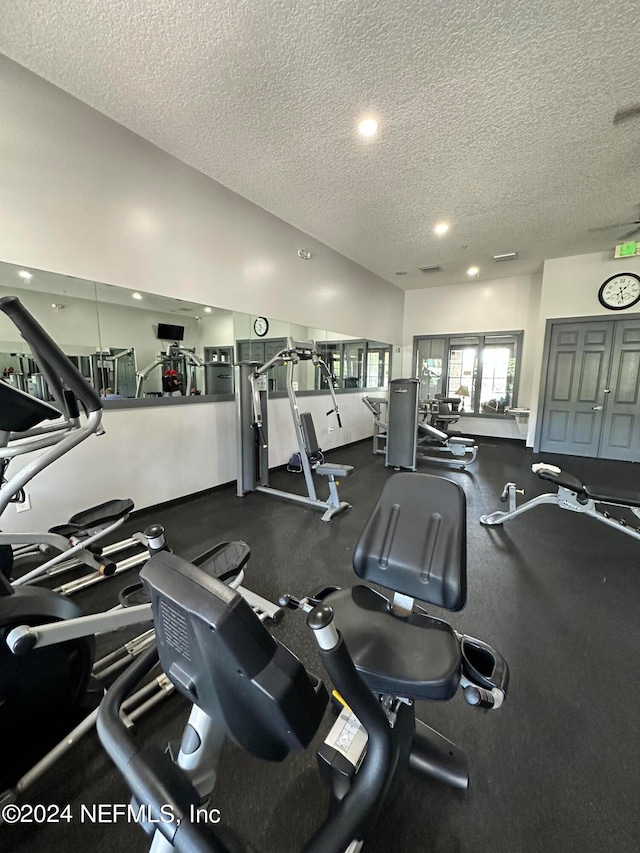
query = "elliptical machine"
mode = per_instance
[
  {"x": 40, "y": 695},
  {"x": 47, "y": 644}
]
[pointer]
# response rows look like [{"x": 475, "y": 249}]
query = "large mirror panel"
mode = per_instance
[
  {"x": 155, "y": 346},
  {"x": 67, "y": 309},
  {"x": 134, "y": 345}
]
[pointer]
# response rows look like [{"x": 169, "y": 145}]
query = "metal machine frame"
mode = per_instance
[
  {"x": 565, "y": 498},
  {"x": 174, "y": 351},
  {"x": 402, "y": 445},
  {"x": 251, "y": 408},
  {"x": 376, "y": 406}
]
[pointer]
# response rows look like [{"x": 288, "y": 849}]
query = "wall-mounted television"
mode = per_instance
[{"x": 168, "y": 332}]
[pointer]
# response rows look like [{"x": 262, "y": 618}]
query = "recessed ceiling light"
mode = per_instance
[
  {"x": 401, "y": 272},
  {"x": 207, "y": 310},
  {"x": 136, "y": 296},
  {"x": 473, "y": 271},
  {"x": 26, "y": 275},
  {"x": 441, "y": 228},
  {"x": 368, "y": 127},
  {"x": 57, "y": 306}
]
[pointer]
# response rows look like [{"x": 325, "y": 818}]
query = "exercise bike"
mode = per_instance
[{"x": 245, "y": 685}]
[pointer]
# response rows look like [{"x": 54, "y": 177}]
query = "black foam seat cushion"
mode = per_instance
[
  {"x": 415, "y": 540},
  {"x": 328, "y": 469},
  {"x": 567, "y": 481},
  {"x": 417, "y": 656},
  {"x": 612, "y": 496}
]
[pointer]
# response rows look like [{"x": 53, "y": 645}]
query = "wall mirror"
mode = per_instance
[
  {"x": 67, "y": 309},
  {"x": 133, "y": 345}
]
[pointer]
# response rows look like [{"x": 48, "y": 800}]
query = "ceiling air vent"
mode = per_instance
[
  {"x": 431, "y": 268},
  {"x": 509, "y": 256}
]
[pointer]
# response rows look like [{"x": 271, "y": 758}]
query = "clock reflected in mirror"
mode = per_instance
[
  {"x": 261, "y": 326},
  {"x": 620, "y": 291}
]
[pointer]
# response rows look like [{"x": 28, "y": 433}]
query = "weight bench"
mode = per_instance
[{"x": 572, "y": 495}]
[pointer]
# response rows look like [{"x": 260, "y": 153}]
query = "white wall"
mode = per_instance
[
  {"x": 89, "y": 198},
  {"x": 507, "y": 304},
  {"x": 153, "y": 455},
  {"x": 85, "y": 197},
  {"x": 570, "y": 289}
]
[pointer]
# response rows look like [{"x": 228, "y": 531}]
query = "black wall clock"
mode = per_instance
[
  {"x": 620, "y": 291},
  {"x": 261, "y": 326}
]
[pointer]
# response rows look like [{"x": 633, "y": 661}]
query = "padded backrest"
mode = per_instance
[
  {"x": 309, "y": 433},
  {"x": 219, "y": 655},
  {"x": 415, "y": 541}
]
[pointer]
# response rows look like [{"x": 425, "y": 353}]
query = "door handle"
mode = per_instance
[{"x": 597, "y": 408}]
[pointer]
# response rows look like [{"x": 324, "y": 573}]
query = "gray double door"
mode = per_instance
[{"x": 592, "y": 395}]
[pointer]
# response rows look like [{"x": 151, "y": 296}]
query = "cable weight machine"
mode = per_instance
[{"x": 253, "y": 433}]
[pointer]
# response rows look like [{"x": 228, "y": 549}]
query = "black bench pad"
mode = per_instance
[
  {"x": 328, "y": 469},
  {"x": 416, "y": 656},
  {"x": 612, "y": 497},
  {"x": 567, "y": 481}
]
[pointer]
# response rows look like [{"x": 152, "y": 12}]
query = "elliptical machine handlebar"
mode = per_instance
[{"x": 54, "y": 364}]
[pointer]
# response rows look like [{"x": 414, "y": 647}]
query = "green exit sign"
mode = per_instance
[{"x": 625, "y": 250}]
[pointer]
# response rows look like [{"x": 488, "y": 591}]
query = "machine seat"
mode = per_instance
[
  {"x": 612, "y": 497},
  {"x": 333, "y": 469},
  {"x": 416, "y": 656},
  {"x": 20, "y": 412},
  {"x": 97, "y": 516},
  {"x": 414, "y": 541}
]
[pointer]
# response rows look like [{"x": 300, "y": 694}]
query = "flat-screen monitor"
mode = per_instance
[{"x": 168, "y": 332}]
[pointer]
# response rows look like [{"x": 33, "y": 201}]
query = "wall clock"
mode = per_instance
[
  {"x": 261, "y": 326},
  {"x": 620, "y": 291}
]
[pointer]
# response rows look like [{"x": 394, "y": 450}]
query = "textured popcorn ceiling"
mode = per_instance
[{"x": 495, "y": 115}]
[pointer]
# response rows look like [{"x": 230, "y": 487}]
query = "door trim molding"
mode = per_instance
[{"x": 551, "y": 322}]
